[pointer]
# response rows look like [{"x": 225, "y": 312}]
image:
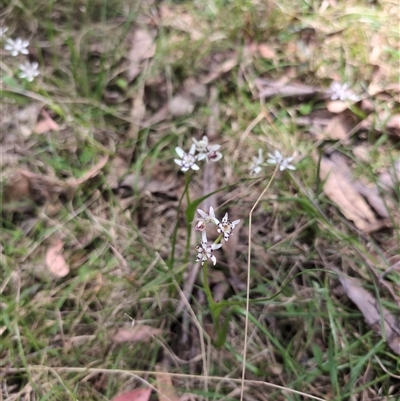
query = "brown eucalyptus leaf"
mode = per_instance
[
  {"x": 340, "y": 189},
  {"x": 376, "y": 316},
  {"x": 135, "y": 334},
  {"x": 55, "y": 261}
]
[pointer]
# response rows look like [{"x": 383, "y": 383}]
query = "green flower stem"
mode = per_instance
[{"x": 175, "y": 234}]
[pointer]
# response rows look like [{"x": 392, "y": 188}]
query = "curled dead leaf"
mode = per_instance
[
  {"x": 266, "y": 51},
  {"x": 55, "y": 261},
  {"x": 46, "y": 124},
  {"x": 340, "y": 189},
  {"x": 142, "y": 47},
  {"x": 337, "y": 106},
  {"x": 135, "y": 334},
  {"x": 376, "y": 316}
]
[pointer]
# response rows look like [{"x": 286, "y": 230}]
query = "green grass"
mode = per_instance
[{"x": 309, "y": 337}]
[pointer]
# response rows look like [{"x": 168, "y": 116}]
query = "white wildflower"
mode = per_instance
[
  {"x": 187, "y": 160},
  {"x": 29, "y": 71},
  {"x": 17, "y": 46},
  {"x": 205, "y": 250},
  {"x": 338, "y": 91},
  {"x": 226, "y": 227},
  {"x": 255, "y": 166},
  {"x": 276, "y": 158},
  {"x": 3, "y": 30},
  {"x": 205, "y": 219},
  {"x": 202, "y": 145},
  {"x": 207, "y": 151}
]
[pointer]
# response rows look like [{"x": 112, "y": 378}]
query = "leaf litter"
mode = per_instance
[
  {"x": 377, "y": 316},
  {"x": 349, "y": 194},
  {"x": 55, "y": 260}
]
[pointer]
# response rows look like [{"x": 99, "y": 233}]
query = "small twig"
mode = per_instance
[
  {"x": 248, "y": 282},
  {"x": 136, "y": 374}
]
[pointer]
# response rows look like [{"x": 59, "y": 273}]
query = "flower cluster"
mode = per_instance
[
  {"x": 225, "y": 228},
  {"x": 28, "y": 70},
  {"x": 204, "y": 151},
  {"x": 275, "y": 158},
  {"x": 338, "y": 91}
]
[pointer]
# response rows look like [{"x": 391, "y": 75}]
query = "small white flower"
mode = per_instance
[
  {"x": 17, "y": 46},
  {"x": 187, "y": 160},
  {"x": 204, "y": 250},
  {"x": 205, "y": 219},
  {"x": 29, "y": 71},
  {"x": 255, "y": 166},
  {"x": 338, "y": 91},
  {"x": 207, "y": 151},
  {"x": 3, "y": 30},
  {"x": 202, "y": 145},
  {"x": 226, "y": 227},
  {"x": 286, "y": 164},
  {"x": 276, "y": 158}
]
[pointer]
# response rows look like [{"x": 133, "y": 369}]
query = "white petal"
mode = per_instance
[
  {"x": 180, "y": 152},
  {"x": 235, "y": 222},
  {"x": 214, "y": 259},
  {"x": 201, "y": 156},
  {"x": 184, "y": 169},
  {"x": 211, "y": 213},
  {"x": 272, "y": 161},
  {"x": 204, "y": 237},
  {"x": 225, "y": 218},
  {"x": 195, "y": 167},
  {"x": 178, "y": 162},
  {"x": 214, "y": 148},
  {"x": 215, "y": 246},
  {"x": 192, "y": 149},
  {"x": 202, "y": 213},
  {"x": 291, "y": 167}
]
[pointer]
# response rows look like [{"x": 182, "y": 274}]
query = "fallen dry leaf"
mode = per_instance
[
  {"x": 140, "y": 394},
  {"x": 336, "y": 106},
  {"x": 391, "y": 178},
  {"x": 46, "y": 124},
  {"x": 266, "y": 51},
  {"x": 340, "y": 126},
  {"x": 393, "y": 125},
  {"x": 375, "y": 315},
  {"x": 142, "y": 47},
  {"x": 340, "y": 189},
  {"x": 135, "y": 334},
  {"x": 119, "y": 167},
  {"x": 55, "y": 260},
  {"x": 164, "y": 385}
]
